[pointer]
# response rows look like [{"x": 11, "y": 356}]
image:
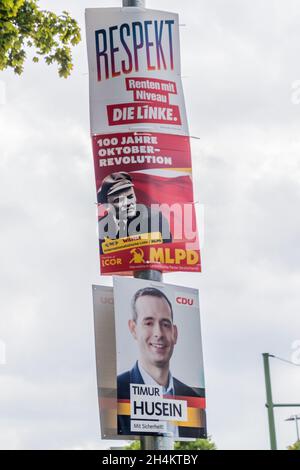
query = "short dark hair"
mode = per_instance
[{"x": 153, "y": 292}]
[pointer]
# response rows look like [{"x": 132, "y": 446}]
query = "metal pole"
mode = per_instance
[
  {"x": 285, "y": 405},
  {"x": 134, "y": 3},
  {"x": 295, "y": 418},
  {"x": 269, "y": 403},
  {"x": 297, "y": 429},
  {"x": 150, "y": 442},
  {"x": 164, "y": 442}
]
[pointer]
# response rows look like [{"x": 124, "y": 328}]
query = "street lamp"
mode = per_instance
[{"x": 295, "y": 418}]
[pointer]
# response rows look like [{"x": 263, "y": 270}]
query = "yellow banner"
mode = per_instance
[{"x": 119, "y": 244}]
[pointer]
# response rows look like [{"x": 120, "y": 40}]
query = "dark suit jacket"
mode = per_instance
[{"x": 133, "y": 376}]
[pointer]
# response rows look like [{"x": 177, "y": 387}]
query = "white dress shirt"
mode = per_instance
[{"x": 168, "y": 390}]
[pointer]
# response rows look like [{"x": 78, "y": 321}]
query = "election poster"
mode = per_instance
[
  {"x": 105, "y": 348},
  {"x": 134, "y": 71},
  {"x": 160, "y": 374},
  {"x": 140, "y": 140}
]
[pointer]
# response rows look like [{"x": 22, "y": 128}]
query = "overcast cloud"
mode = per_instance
[{"x": 239, "y": 62}]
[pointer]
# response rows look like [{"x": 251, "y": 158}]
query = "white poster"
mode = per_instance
[
  {"x": 134, "y": 71},
  {"x": 105, "y": 348}
]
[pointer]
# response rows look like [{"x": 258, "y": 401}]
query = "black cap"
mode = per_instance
[{"x": 112, "y": 184}]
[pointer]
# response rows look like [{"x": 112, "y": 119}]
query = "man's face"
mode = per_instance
[
  {"x": 124, "y": 203},
  {"x": 154, "y": 331}
]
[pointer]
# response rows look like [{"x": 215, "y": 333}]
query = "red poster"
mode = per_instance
[{"x": 146, "y": 212}]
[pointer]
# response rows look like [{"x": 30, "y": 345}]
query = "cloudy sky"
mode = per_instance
[{"x": 240, "y": 63}]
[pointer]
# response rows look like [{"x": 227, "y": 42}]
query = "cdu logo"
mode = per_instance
[
  {"x": 184, "y": 301},
  {"x": 187, "y": 299}
]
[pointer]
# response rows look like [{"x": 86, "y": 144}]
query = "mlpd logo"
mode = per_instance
[
  {"x": 138, "y": 256},
  {"x": 184, "y": 301}
]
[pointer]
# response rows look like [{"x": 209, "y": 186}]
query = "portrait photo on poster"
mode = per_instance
[
  {"x": 160, "y": 376},
  {"x": 124, "y": 215}
]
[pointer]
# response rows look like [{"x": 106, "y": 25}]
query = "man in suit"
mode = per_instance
[
  {"x": 152, "y": 327},
  {"x": 124, "y": 217}
]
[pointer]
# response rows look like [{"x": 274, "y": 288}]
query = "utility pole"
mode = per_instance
[
  {"x": 295, "y": 418},
  {"x": 134, "y": 3},
  {"x": 164, "y": 442},
  {"x": 269, "y": 404}
]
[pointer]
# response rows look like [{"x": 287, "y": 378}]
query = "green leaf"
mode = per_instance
[{"x": 23, "y": 24}]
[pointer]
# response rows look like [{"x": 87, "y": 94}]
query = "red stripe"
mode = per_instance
[{"x": 192, "y": 402}]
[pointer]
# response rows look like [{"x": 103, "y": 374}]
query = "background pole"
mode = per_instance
[
  {"x": 295, "y": 418},
  {"x": 269, "y": 404}
]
